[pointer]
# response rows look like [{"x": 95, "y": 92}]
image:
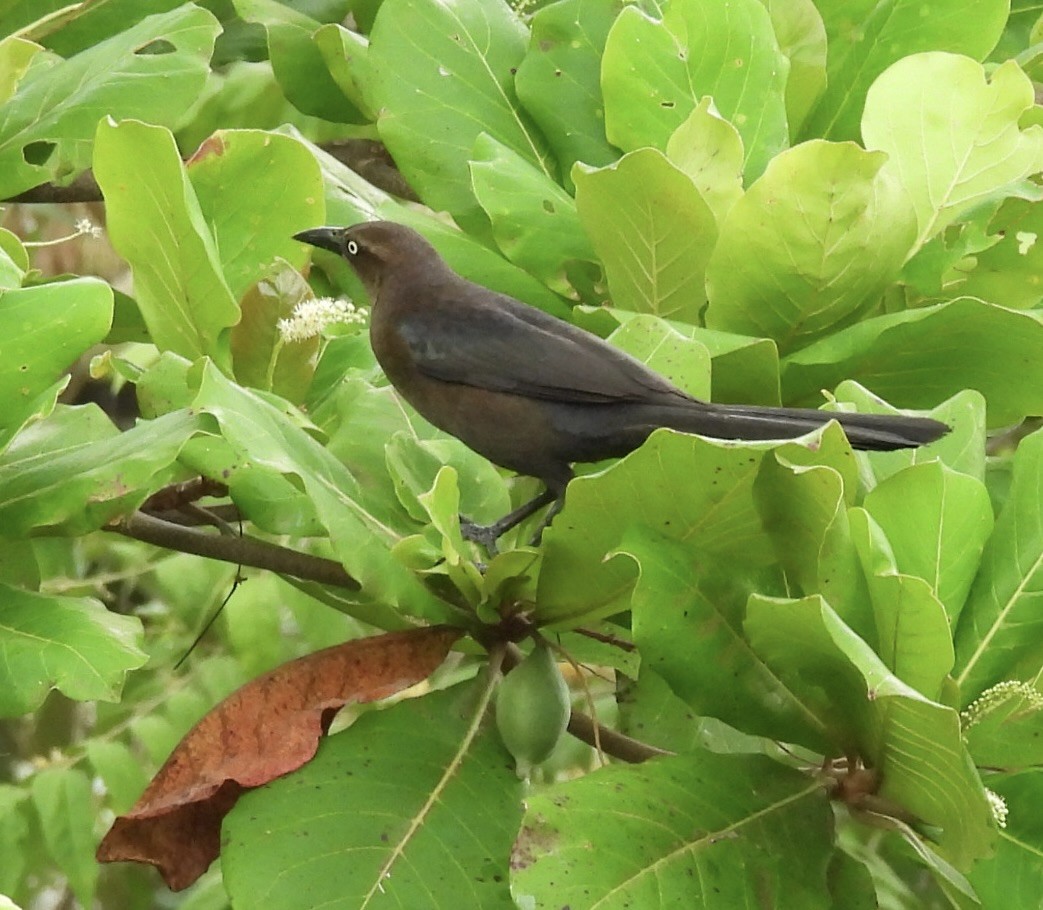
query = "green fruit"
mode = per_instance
[{"x": 532, "y": 708}]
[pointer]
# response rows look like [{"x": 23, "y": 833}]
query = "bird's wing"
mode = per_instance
[{"x": 502, "y": 345}]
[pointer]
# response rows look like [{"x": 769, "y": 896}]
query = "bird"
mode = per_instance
[{"x": 533, "y": 393}]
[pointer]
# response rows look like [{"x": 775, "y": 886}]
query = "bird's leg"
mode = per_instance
[
  {"x": 487, "y": 535},
  {"x": 559, "y": 501}
]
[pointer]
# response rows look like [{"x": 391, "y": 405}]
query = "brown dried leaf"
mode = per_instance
[{"x": 269, "y": 727}]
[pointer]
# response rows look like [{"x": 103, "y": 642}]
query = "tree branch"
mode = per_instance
[
  {"x": 244, "y": 551},
  {"x": 366, "y": 157}
]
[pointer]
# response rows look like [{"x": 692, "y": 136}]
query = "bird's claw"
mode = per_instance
[{"x": 483, "y": 535}]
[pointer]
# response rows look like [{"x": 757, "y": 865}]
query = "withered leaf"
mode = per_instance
[{"x": 269, "y": 727}]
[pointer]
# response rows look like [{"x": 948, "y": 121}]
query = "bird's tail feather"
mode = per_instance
[{"x": 876, "y": 432}]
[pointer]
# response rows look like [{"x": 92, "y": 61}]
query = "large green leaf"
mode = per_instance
[
  {"x": 693, "y": 639},
  {"x": 956, "y": 141},
  {"x": 652, "y": 231},
  {"x": 350, "y": 199},
  {"x": 936, "y": 521},
  {"x": 297, "y": 60},
  {"x": 1002, "y": 621},
  {"x": 45, "y": 328},
  {"x": 699, "y": 831},
  {"x": 656, "y": 70},
  {"x": 802, "y": 38},
  {"x": 443, "y": 74},
  {"x": 684, "y": 361},
  {"x": 156, "y": 223},
  {"x": 709, "y": 150},
  {"x": 16, "y": 53},
  {"x": 75, "y": 471},
  {"x": 559, "y": 79},
  {"x": 867, "y": 36},
  {"x": 534, "y": 220},
  {"x": 153, "y": 70},
  {"x": 682, "y": 487},
  {"x": 1009, "y": 271},
  {"x": 912, "y": 742},
  {"x": 388, "y": 811},
  {"x": 72, "y": 644},
  {"x": 812, "y": 245},
  {"x": 913, "y": 636},
  {"x": 63, "y": 801},
  {"x": 1013, "y": 877},
  {"x": 918, "y": 358},
  {"x": 252, "y": 229},
  {"x": 744, "y": 369},
  {"x": 362, "y": 537},
  {"x": 1004, "y": 727}
]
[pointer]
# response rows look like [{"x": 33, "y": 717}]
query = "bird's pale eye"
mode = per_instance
[{"x": 353, "y": 248}]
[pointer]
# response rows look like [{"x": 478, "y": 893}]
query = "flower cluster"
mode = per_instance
[{"x": 311, "y": 317}]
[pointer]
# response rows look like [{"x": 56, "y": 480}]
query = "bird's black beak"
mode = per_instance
[{"x": 325, "y": 238}]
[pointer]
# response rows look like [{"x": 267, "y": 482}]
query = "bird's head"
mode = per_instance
[{"x": 374, "y": 249}]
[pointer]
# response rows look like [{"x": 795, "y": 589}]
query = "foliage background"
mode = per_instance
[{"x": 761, "y": 200}]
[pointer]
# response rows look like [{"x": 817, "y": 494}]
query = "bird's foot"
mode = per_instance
[{"x": 483, "y": 535}]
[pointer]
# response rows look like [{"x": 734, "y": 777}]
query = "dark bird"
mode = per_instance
[{"x": 533, "y": 393}]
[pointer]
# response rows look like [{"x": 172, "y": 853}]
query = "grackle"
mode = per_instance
[{"x": 533, "y": 393}]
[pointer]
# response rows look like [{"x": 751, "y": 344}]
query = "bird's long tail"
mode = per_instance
[{"x": 875, "y": 432}]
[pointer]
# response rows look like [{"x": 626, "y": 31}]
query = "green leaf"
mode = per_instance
[
  {"x": 913, "y": 636},
  {"x": 389, "y": 810},
  {"x": 297, "y": 60},
  {"x": 655, "y": 71},
  {"x": 744, "y": 369},
  {"x": 346, "y": 55},
  {"x": 252, "y": 230},
  {"x": 14, "y": 260},
  {"x": 1010, "y": 272},
  {"x": 559, "y": 79},
  {"x": 684, "y": 361},
  {"x": 708, "y": 149},
  {"x": 936, "y": 521},
  {"x": 361, "y": 535},
  {"x": 956, "y": 142},
  {"x": 49, "y": 124},
  {"x": 442, "y": 76},
  {"x": 917, "y": 358},
  {"x": 350, "y": 199},
  {"x": 913, "y": 743},
  {"x": 962, "y": 448},
  {"x": 157, "y": 225},
  {"x": 693, "y": 638},
  {"x": 698, "y": 830},
  {"x": 69, "y": 643},
  {"x": 442, "y": 503},
  {"x": 811, "y": 246},
  {"x": 798, "y": 504},
  {"x": 652, "y": 231},
  {"x": 1004, "y": 728},
  {"x": 262, "y": 358},
  {"x": 14, "y": 828},
  {"x": 1001, "y": 623},
  {"x": 121, "y": 770},
  {"x": 75, "y": 471},
  {"x": 63, "y": 802},
  {"x": 15, "y": 56},
  {"x": 1013, "y": 877},
  {"x": 866, "y": 36},
  {"x": 585, "y": 570},
  {"x": 534, "y": 220},
  {"x": 802, "y": 38},
  {"x": 45, "y": 328}
]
